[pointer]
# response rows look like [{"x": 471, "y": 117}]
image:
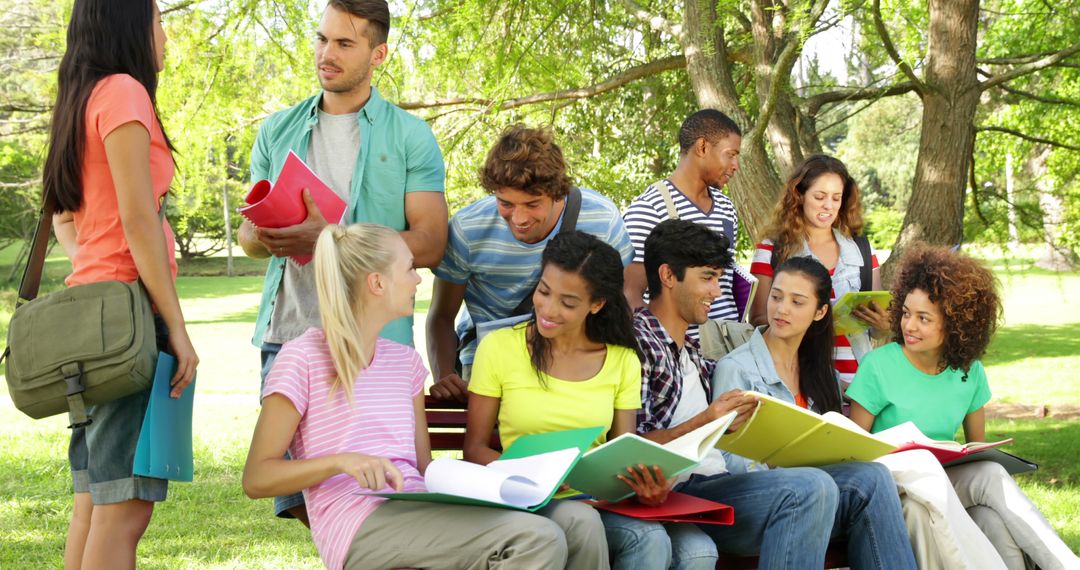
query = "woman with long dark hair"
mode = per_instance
[
  {"x": 819, "y": 216},
  {"x": 790, "y": 357},
  {"x": 109, "y": 164},
  {"x": 575, "y": 364}
]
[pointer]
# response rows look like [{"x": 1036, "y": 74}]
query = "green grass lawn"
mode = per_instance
[{"x": 210, "y": 524}]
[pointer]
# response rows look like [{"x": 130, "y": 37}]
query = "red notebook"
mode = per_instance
[
  {"x": 947, "y": 452},
  {"x": 282, "y": 204},
  {"x": 677, "y": 508}
]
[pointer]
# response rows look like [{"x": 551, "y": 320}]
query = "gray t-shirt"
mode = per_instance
[{"x": 332, "y": 154}]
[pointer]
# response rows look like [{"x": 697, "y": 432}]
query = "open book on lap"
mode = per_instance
[
  {"x": 596, "y": 474},
  {"x": 525, "y": 478},
  {"x": 907, "y": 436},
  {"x": 785, "y": 435}
]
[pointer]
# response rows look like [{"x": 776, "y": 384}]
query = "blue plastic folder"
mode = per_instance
[{"x": 164, "y": 448}]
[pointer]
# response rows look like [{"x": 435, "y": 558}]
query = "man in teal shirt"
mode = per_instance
[{"x": 384, "y": 162}]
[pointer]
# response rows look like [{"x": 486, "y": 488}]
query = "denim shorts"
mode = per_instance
[{"x": 102, "y": 454}]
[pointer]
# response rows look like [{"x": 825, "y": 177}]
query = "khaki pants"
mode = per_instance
[
  {"x": 408, "y": 534},
  {"x": 1018, "y": 526}
]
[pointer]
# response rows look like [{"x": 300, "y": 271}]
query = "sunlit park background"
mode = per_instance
[{"x": 987, "y": 156}]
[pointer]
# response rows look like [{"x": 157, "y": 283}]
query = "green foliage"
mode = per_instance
[
  {"x": 880, "y": 150},
  {"x": 883, "y": 224}
]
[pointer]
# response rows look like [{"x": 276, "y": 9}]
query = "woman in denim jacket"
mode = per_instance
[{"x": 819, "y": 216}]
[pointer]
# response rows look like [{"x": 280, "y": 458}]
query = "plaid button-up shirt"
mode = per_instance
[{"x": 661, "y": 378}]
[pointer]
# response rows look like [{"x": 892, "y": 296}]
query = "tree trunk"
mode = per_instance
[
  {"x": 755, "y": 188},
  {"x": 768, "y": 30},
  {"x": 949, "y": 94}
]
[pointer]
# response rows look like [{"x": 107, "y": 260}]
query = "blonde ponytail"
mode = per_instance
[{"x": 344, "y": 256}]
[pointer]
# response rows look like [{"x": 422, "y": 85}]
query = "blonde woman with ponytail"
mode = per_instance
[{"x": 349, "y": 407}]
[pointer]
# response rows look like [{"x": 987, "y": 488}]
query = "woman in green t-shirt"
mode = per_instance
[
  {"x": 575, "y": 364},
  {"x": 944, "y": 312}
]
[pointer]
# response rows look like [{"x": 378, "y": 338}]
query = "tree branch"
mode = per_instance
[
  {"x": 23, "y": 108},
  {"x": 1028, "y": 137},
  {"x": 781, "y": 71},
  {"x": 613, "y": 82},
  {"x": 816, "y": 102},
  {"x": 1034, "y": 96},
  {"x": 654, "y": 21},
  {"x": 1014, "y": 60},
  {"x": 1027, "y": 68},
  {"x": 887, "y": 43}
]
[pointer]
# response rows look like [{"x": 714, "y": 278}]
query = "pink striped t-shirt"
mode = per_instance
[
  {"x": 380, "y": 421},
  {"x": 843, "y": 356}
]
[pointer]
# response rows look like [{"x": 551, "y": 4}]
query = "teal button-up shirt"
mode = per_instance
[{"x": 398, "y": 154}]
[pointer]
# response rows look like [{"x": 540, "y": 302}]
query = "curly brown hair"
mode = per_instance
[
  {"x": 526, "y": 159},
  {"x": 788, "y": 227},
  {"x": 963, "y": 289}
]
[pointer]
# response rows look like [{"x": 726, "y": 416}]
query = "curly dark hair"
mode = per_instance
[
  {"x": 526, "y": 159},
  {"x": 963, "y": 289},
  {"x": 788, "y": 227}
]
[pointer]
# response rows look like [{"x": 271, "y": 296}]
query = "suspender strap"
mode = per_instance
[{"x": 665, "y": 193}]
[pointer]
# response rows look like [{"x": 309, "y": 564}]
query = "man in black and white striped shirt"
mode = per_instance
[{"x": 709, "y": 144}]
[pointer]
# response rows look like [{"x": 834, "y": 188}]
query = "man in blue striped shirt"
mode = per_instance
[
  {"x": 492, "y": 259},
  {"x": 709, "y": 144}
]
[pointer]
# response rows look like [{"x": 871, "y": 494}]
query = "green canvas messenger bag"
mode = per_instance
[{"x": 84, "y": 345}]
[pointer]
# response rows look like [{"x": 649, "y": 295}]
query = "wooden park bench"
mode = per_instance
[{"x": 446, "y": 429}]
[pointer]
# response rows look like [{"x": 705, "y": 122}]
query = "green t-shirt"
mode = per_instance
[{"x": 889, "y": 386}]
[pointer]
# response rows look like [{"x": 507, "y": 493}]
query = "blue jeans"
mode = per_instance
[
  {"x": 646, "y": 545},
  {"x": 282, "y": 505},
  {"x": 788, "y": 516}
]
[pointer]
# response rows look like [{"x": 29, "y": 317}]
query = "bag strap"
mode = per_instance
[
  {"x": 866, "y": 273},
  {"x": 669, "y": 203},
  {"x": 573, "y": 208},
  {"x": 31, "y": 278}
]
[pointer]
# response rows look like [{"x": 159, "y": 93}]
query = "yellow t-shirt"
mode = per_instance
[{"x": 502, "y": 369}]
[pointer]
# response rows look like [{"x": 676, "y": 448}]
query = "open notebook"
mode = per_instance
[{"x": 596, "y": 474}]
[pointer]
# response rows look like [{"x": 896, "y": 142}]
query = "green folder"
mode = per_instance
[
  {"x": 844, "y": 321},
  {"x": 597, "y": 472},
  {"x": 164, "y": 447},
  {"x": 523, "y": 447},
  {"x": 785, "y": 435}
]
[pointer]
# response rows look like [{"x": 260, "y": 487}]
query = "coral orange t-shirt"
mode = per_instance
[{"x": 103, "y": 253}]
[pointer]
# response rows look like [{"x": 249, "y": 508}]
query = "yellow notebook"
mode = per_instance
[
  {"x": 785, "y": 435},
  {"x": 844, "y": 321}
]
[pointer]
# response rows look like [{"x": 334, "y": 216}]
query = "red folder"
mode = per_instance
[
  {"x": 949, "y": 453},
  {"x": 282, "y": 204},
  {"x": 677, "y": 508}
]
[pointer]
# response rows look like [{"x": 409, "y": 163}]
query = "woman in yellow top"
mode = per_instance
[{"x": 575, "y": 364}]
